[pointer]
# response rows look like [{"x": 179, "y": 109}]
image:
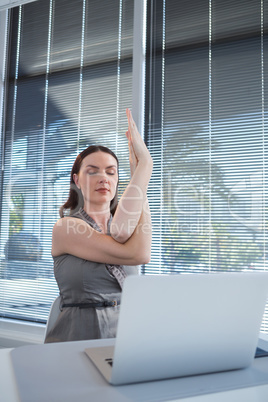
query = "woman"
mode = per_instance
[{"x": 97, "y": 245}]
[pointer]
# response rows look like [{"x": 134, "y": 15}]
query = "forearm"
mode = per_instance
[
  {"x": 141, "y": 240},
  {"x": 131, "y": 205}
]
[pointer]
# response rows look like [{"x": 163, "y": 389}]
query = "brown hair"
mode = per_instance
[{"x": 75, "y": 199}]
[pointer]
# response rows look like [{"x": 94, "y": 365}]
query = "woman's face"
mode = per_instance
[{"x": 97, "y": 179}]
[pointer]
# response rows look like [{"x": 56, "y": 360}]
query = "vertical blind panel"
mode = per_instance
[
  {"x": 68, "y": 88},
  {"x": 186, "y": 156},
  {"x": 186, "y": 23},
  {"x": 33, "y": 38},
  {"x": 238, "y": 220}
]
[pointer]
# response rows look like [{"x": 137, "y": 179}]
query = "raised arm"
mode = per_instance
[
  {"x": 130, "y": 243},
  {"x": 133, "y": 203}
]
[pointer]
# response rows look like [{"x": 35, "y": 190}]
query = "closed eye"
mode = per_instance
[{"x": 111, "y": 172}]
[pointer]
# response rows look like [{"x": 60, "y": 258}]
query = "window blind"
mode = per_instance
[
  {"x": 206, "y": 127},
  {"x": 69, "y": 83}
]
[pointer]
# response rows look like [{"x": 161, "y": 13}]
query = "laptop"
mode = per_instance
[{"x": 181, "y": 325}]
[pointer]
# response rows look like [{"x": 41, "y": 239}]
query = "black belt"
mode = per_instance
[{"x": 96, "y": 304}]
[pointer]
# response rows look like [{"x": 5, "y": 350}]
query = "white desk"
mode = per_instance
[{"x": 62, "y": 372}]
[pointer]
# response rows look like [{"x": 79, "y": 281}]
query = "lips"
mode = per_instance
[{"x": 103, "y": 190}]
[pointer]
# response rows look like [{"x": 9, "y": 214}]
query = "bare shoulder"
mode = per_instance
[
  {"x": 68, "y": 225},
  {"x": 67, "y": 232}
]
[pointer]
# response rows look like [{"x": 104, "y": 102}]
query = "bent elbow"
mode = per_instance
[
  {"x": 143, "y": 257},
  {"x": 121, "y": 237},
  {"x": 147, "y": 259}
]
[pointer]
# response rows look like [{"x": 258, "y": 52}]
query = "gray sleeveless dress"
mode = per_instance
[{"x": 83, "y": 281}]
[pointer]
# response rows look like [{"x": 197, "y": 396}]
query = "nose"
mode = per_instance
[{"x": 103, "y": 179}]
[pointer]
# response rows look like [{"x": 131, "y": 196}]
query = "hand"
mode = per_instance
[{"x": 135, "y": 141}]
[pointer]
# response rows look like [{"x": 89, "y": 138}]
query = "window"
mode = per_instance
[
  {"x": 206, "y": 127},
  {"x": 69, "y": 83},
  {"x": 70, "y": 80}
]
